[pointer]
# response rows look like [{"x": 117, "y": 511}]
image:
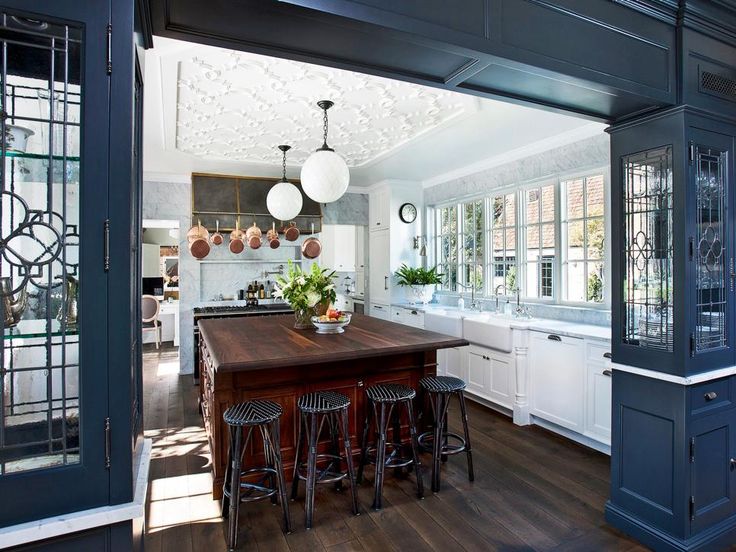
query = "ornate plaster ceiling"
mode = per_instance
[{"x": 238, "y": 106}]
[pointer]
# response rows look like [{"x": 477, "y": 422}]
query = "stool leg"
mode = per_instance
[
  {"x": 396, "y": 422},
  {"x": 275, "y": 438},
  {"x": 311, "y": 468},
  {"x": 364, "y": 442},
  {"x": 334, "y": 422},
  {"x": 236, "y": 439},
  {"x": 298, "y": 457},
  {"x": 468, "y": 448},
  {"x": 415, "y": 448},
  {"x": 269, "y": 458},
  {"x": 343, "y": 416},
  {"x": 442, "y": 401},
  {"x": 225, "y": 504},
  {"x": 380, "y": 456},
  {"x": 445, "y": 440}
]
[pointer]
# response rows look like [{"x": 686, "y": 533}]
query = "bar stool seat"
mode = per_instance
[
  {"x": 318, "y": 409},
  {"x": 439, "y": 390},
  {"x": 382, "y": 402},
  {"x": 244, "y": 418}
]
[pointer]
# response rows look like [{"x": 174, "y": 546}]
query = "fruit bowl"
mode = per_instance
[{"x": 331, "y": 325}]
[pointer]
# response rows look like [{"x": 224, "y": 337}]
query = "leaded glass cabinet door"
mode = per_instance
[
  {"x": 54, "y": 169},
  {"x": 710, "y": 249}
]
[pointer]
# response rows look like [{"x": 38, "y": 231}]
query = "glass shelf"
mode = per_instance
[
  {"x": 36, "y": 328},
  {"x": 24, "y": 155}
]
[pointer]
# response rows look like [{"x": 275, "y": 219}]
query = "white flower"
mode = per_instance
[
  {"x": 330, "y": 287},
  {"x": 301, "y": 280},
  {"x": 313, "y": 298},
  {"x": 278, "y": 292}
]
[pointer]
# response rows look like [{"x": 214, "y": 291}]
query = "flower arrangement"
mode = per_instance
[{"x": 306, "y": 290}]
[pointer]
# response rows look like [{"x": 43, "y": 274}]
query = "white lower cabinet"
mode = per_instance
[
  {"x": 380, "y": 311},
  {"x": 451, "y": 362},
  {"x": 490, "y": 375},
  {"x": 408, "y": 316},
  {"x": 598, "y": 395},
  {"x": 557, "y": 379}
]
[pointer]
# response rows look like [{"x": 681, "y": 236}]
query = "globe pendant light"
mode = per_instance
[
  {"x": 325, "y": 175},
  {"x": 284, "y": 200}
]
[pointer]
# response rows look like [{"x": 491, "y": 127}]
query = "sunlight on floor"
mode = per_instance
[{"x": 167, "y": 368}]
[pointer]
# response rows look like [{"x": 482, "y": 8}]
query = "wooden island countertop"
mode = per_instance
[
  {"x": 266, "y": 358},
  {"x": 256, "y": 343}
]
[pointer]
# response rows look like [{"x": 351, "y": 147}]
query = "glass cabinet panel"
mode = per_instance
[
  {"x": 40, "y": 230},
  {"x": 709, "y": 249},
  {"x": 647, "y": 285}
]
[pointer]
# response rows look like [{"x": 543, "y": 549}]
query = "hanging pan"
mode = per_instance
[
  {"x": 237, "y": 239},
  {"x": 199, "y": 242},
  {"x": 217, "y": 238},
  {"x": 311, "y": 247}
]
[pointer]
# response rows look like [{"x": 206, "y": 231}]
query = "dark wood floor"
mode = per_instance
[{"x": 533, "y": 491}]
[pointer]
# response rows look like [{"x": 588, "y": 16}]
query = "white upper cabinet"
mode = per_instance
[
  {"x": 338, "y": 247},
  {"x": 379, "y": 209},
  {"x": 379, "y": 268},
  {"x": 360, "y": 247}
]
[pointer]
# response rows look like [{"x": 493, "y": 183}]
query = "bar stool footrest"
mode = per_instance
[
  {"x": 393, "y": 459},
  {"x": 325, "y": 475},
  {"x": 426, "y": 439}
]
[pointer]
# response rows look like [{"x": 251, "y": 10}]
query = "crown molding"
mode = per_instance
[
  {"x": 575, "y": 135},
  {"x": 170, "y": 178}
]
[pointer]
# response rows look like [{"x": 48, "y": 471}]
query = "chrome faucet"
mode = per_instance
[
  {"x": 267, "y": 273},
  {"x": 474, "y": 305},
  {"x": 495, "y": 292}
]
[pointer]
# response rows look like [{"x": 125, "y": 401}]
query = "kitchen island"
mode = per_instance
[{"x": 266, "y": 358}]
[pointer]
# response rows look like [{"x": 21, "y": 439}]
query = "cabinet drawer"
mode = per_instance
[
  {"x": 711, "y": 395},
  {"x": 599, "y": 352}
]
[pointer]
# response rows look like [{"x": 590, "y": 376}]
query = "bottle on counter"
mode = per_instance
[
  {"x": 249, "y": 293},
  {"x": 262, "y": 292},
  {"x": 461, "y": 303}
]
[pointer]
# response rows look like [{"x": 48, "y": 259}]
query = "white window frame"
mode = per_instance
[{"x": 558, "y": 295}]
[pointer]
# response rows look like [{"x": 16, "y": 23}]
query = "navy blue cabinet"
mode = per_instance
[
  {"x": 672, "y": 208},
  {"x": 673, "y": 469}
]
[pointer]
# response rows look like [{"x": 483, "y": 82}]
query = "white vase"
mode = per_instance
[{"x": 419, "y": 294}]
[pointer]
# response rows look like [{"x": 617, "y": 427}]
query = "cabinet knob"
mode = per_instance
[
  {"x": 360, "y": 383},
  {"x": 607, "y": 373},
  {"x": 711, "y": 396}
]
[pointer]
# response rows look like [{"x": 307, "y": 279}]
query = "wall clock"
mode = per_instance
[{"x": 408, "y": 213}]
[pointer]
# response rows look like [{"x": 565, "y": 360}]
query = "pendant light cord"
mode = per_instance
[
  {"x": 283, "y": 165},
  {"x": 324, "y": 127}
]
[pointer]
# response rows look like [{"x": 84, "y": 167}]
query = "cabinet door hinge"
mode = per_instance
[
  {"x": 692, "y": 449},
  {"x": 692, "y": 508},
  {"x": 108, "y": 447},
  {"x": 106, "y": 246},
  {"x": 691, "y": 153},
  {"x": 109, "y": 49},
  {"x": 692, "y": 344}
]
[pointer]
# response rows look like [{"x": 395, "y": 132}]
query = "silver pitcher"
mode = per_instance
[
  {"x": 69, "y": 310},
  {"x": 13, "y": 307}
]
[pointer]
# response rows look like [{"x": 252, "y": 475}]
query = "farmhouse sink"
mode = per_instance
[
  {"x": 444, "y": 322},
  {"x": 489, "y": 330}
]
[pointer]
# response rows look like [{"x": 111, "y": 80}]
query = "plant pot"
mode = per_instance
[
  {"x": 419, "y": 294},
  {"x": 303, "y": 319}
]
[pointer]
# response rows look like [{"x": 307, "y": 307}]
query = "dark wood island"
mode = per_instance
[{"x": 266, "y": 358}]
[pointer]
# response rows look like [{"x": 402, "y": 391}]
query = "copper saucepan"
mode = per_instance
[
  {"x": 311, "y": 247},
  {"x": 237, "y": 239},
  {"x": 291, "y": 233},
  {"x": 273, "y": 237},
  {"x": 253, "y": 236},
  {"x": 199, "y": 244},
  {"x": 217, "y": 238}
]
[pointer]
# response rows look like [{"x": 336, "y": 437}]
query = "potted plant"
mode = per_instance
[
  {"x": 419, "y": 282},
  {"x": 309, "y": 293}
]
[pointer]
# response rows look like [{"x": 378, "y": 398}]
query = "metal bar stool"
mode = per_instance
[
  {"x": 382, "y": 400},
  {"x": 317, "y": 409},
  {"x": 250, "y": 415},
  {"x": 440, "y": 389}
]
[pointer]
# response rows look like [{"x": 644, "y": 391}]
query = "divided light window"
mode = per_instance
[
  {"x": 502, "y": 267},
  {"x": 540, "y": 232},
  {"x": 472, "y": 247},
  {"x": 446, "y": 255},
  {"x": 583, "y": 230}
]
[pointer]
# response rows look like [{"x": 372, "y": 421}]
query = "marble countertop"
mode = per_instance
[{"x": 559, "y": 327}]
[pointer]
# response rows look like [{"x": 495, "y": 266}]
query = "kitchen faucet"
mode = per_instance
[
  {"x": 495, "y": 292},
  {"x": 267, "y": 273},
  {"x": 473, "y": 303}
]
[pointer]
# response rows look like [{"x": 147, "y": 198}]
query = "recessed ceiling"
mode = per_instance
[{"x": 239, "y": 106}]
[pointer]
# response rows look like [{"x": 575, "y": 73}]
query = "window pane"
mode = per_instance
[
  {"x": 576, "y": 240},
  {"x": 510, "y": 202},
  {"x": 532, "y": 242},
  {"x": 547, "y": 277},
  {"x": 576, "y": 284},
  {"x": 595, "y": 282},
  {"x": 532, "y": 280},
  {"x": 548, "y": 203},
  {"x": 596, "y": 235},
  {"x": 575, "y": 199},
  {"x": 594, "y": 195},
  {"x": 532, "y": 206},
  {"x": 511, "y": 240}
]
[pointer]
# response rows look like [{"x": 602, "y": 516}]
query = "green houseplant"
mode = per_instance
[
  {"x": 307, "y": 292},
  {"x": 419, "y": 282}
]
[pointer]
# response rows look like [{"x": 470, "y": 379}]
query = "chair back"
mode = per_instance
[{"x": 150, "y": 308}]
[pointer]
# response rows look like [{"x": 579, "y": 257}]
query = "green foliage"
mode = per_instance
[
  {"x": 306, "y": 289},
  {"x": 407, "y": 276},
  {"x": 511, "y": 277},
  {"x": 595, "y": 288}
]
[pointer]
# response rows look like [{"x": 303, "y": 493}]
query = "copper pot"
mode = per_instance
[
  {"x": 311, "y": 247},
  {"x": 199, "y": 244},
  {"x": 237, "y": 240},
  {"x": 273, "y": 237},
  {"x": 253, "y": 235},
  {"x": 292, "y": 232},
  {"x": 217, "y": 238}
]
